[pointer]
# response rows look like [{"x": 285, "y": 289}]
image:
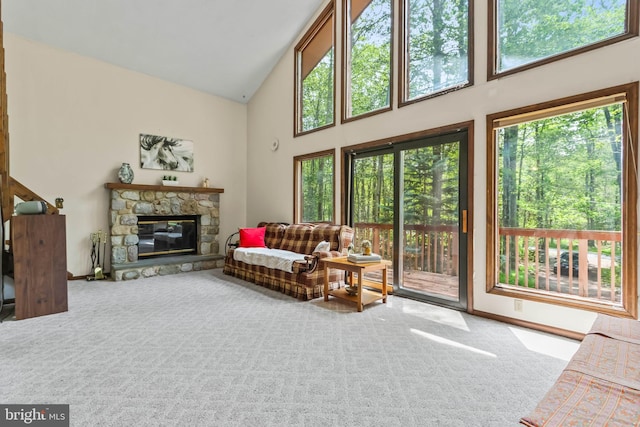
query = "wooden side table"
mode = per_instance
[{"x": 363, "y": 296}]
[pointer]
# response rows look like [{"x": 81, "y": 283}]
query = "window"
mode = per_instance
[
  {"x": 534, "y": 32},
  {"x": 435, "y": 47},
  {"x": 367, "y": 50},
  {"x": 313, "y": 176},
  {"x": 563, "y": 188},
  {"x": 315, "y": 76}
]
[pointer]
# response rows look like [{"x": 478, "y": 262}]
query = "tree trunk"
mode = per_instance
[
  {"x": 509, "y": 214},
  {"x": 614, "y": 124},
  {"x": 377, "y": 195}
]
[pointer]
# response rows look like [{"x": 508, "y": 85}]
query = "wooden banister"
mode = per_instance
[
  {"x": 5, "y": 194},
  {"x": 23, "y": 193}
]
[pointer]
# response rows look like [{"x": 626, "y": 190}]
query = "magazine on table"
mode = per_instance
[{"x": 360, "y": 258}]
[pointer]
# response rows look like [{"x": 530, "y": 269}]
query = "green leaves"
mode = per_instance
[
  {"x": 564, "y": 173},
  {"x": 530, "y": 30}
]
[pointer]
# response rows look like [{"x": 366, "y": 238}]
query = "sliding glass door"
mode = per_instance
[{"x": 409, "y": 200}]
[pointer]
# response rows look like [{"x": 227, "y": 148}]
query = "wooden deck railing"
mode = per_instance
[
  {"x": 537, "y": 255},
  {"x": 425, "y": 247},
  {"x": 528, "y": 257}
]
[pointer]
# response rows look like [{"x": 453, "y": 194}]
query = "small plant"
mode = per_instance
[{"x": 169, "y": 178}]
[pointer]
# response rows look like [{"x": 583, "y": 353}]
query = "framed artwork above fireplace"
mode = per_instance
[{"x": 164, "y": 153}]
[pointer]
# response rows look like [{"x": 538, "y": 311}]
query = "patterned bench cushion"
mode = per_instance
[{"x": 601, "y": 384}]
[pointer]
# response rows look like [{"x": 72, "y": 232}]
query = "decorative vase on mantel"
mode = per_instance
[{"x": 125, "y": 174}]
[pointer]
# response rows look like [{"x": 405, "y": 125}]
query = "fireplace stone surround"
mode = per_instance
[{"x": 128, "y": 201}]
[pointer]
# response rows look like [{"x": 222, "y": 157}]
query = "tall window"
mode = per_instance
[
  {"x": 563, "y": 184},
  {"x": 367, "y": 50},
  {"x": 315, "y": 76},
  {"x": 528, "y": 33},
  {"x": 435, "y": 47},
  {"x": 314, "y": 199}
]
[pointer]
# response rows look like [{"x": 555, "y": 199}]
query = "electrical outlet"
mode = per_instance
[{"x": 517, "y": 305}]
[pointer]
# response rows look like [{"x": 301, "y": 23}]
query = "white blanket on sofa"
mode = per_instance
[{"x": 270, "y": 258}]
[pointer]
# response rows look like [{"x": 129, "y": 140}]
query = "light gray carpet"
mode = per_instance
[{"x": 205, "y": 349}]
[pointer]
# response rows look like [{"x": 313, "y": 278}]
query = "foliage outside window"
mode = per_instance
[
  {"x": 564, "y": 190},
  {"x": 367, "y": 81},
  {"x": 315, "y": 76},
  {"x": 530, "y": 31},
  {"x": 314, "y": 195},
  {"x": 373, "y": 194},
  {"x": 435, "y": 47}
]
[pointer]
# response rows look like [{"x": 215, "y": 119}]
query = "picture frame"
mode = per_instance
[{"x": 165, "y": 153}]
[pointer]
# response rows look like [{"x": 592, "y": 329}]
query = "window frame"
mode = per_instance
[
  {"x": 346, "y": 70},
  {"x": 629, "y": 286},
  {"x": 327, "y": 14},
  {"x": 297, "y": 182},
  {"x": 492, "y": 47},
  {"x": 404, "y": 55}
]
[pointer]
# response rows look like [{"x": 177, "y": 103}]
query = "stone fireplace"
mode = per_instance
[{"x": 131, "y": 202}]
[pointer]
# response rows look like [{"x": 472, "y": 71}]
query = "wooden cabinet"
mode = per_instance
[{"x": 39, "y": 264}]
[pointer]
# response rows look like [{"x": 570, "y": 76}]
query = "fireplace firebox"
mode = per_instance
[{"x": 167, "y": 235}]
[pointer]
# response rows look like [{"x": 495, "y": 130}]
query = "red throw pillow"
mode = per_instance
[{"x": 252, "y": 237}]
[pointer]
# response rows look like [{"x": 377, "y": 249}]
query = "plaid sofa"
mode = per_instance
[{"x": 307, "y": 280}]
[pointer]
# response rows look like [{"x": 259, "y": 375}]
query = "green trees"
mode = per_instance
[
  {"x": 530, "y": 30},
  {"x": 317, "y": 189},
  {"x": 317, "y": 94},
  {"x": 558, "y": 173},
  {"x": 562, "y": 172},
  {"x": 373, "y": 189},
  {"x": 369, "y": 73},
  {"x": 431, "y": 182},
  {"x": 437, "y": 46}
]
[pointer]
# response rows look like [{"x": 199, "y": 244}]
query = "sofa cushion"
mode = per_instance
[
  {"x": 252, "y": 237},
  {"x": 329, "y": 233},
  {"x": 297, "y": 238},
  {"x": 273, "y": 234}
]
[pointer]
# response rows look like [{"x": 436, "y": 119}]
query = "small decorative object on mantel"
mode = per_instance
[
  {"x": 205, "y": 183},
  {"x": 170, "y": 180},
  {"x": 125, "y": 174}
]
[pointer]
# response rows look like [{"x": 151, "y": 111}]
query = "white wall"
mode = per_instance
[
  {"x": 74, "y": 120},
  {"x": 270, "y": 174}
]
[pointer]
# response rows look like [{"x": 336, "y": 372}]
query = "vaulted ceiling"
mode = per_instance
[{"x": 223, "y": 47}]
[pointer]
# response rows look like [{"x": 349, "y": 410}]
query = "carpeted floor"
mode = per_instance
[{"x": 205, "y": 349}]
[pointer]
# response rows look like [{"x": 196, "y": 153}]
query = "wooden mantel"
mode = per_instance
[{"x": 143, "y": 187}]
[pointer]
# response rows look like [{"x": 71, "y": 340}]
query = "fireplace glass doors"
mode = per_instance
[{"x": 167, "y": 235}]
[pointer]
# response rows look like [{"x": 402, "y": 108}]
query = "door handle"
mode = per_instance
[{"x": 464, "y": 221}]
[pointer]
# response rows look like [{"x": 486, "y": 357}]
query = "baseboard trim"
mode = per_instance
[{"x": 531, "y": 325}]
